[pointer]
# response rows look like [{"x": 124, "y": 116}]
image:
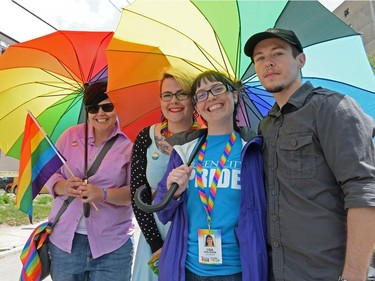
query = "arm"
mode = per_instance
[
  {"x": 146, "y": 221},
  {"x": 116, "y": 196},
  {"x": 76, "y": 187},
  {"x": 349, "y": 133},
  {"x": 165, "y": 215},
  {"x": 360, "y": 243}
]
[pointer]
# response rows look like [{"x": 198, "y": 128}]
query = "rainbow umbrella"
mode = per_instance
[
  {"x": 201, "y": 35},
  {"x": 133, "y": 83},
  {"x": 47, "y": 76}
]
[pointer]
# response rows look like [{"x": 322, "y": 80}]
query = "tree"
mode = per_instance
[{"x": 371, "y": 58}]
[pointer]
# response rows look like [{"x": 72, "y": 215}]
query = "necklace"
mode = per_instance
[
  {"x": 166, "y": 133},
  {"x": 208, "y": 204}
]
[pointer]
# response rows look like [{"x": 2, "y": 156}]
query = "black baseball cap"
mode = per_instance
[{"x": 283, "y": 34}]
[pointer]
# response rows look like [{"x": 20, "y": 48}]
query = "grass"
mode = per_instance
[{"x": 9, "y": 213}]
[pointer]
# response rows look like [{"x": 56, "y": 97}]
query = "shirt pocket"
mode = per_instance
[{"x": 297, "y": 157}]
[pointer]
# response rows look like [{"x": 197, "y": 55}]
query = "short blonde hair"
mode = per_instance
[{"x": 183, "y": 78}]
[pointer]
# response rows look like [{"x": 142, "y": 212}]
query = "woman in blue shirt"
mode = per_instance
[{"x": 221, "y": 194}]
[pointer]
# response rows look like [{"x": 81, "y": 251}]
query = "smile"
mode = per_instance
[
  {"x": 176, "y": 109},
  {"x": 215, "y": 106}
]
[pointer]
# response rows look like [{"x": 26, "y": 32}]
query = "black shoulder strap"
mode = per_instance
[
  {"x": 65, "y": 205},
  {"x": 94, "y": 167}
]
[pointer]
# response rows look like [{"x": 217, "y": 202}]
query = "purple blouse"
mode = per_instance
[{"x": 110, "y": 227}]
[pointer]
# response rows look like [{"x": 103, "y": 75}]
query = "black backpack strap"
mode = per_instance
[{"x": 65, "y": 205}]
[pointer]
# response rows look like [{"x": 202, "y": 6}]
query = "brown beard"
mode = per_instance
[{"x": 275, "y": 89}]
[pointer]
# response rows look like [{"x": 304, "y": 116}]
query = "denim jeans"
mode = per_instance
[
  {"x": 190, "y": 276},
  {"x": 80, "y": 266}
]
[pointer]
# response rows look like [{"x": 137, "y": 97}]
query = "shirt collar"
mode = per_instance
[{"x": 296, "y": 101}]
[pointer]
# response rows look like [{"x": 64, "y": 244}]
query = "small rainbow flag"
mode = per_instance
[{"x": 39, "y": 160}]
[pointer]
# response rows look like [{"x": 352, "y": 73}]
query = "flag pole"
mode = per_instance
[
  {"x": 49, "y": 141},
  {"x": 54, "y": 148}
]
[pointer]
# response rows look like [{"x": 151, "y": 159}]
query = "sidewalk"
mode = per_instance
[{"x": 13, "y": 238}]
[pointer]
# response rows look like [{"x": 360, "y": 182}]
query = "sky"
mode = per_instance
[{"x": 99, "y": 15}]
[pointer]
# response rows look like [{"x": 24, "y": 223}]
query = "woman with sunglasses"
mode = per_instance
[
  {"x": 99, "y": 247},
  {"x": 149, "y": 163},
  {"x": 221, "y": 194}
]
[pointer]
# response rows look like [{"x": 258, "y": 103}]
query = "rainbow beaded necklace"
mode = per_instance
[
  {"x": 209, "y": 204},
  {"x": 166, "y": 133}
]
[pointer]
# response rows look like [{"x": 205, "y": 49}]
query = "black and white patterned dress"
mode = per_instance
[{"x": 148, "y": 167}]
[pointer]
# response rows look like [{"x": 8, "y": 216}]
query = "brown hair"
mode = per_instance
[
  {"x": 215, "y": 76},
  {"x": 95, "y": 93}
]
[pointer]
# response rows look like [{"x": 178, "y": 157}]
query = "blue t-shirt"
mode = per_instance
[{"x": 225, "y": 210}]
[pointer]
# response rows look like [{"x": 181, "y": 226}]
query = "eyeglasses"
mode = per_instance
[
  {"x": 215, "y": 91},
  {"x": 168, "y": 96},
  {"x": 106, "y": 107}
]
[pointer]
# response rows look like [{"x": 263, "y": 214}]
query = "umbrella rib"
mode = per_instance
[
  {"x": 95, "y": 59},
  {"x": 239, "y": 39},
  {"x": 193, "y": 64},
  {"x": 259, "y": 96},
  {"x": 76, "y": 55},
  {"x": 209, "y": 58},
  {"x": 62, "y": 80},
  {"x": 253, "y": 109},
  {"x": 217, "y": 41},
  {"x": 45, "y": 96},
  {"x": 71, "y": 105},
  {"x": 58, "y": 60}
]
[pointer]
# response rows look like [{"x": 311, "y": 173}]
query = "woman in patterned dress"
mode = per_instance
[{"x": 149, "y": 163}]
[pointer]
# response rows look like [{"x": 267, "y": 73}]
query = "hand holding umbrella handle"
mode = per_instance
[
  {"x": 155, "y": 207},
  {"x": 172, "y": 190}
]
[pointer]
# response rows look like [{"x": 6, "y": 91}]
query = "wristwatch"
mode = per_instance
[{"x": 341, "y": 279}]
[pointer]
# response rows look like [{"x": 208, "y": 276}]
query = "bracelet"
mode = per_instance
[
  {"x": 341, "y": 278},
  {"x": 105, "y": 194}
]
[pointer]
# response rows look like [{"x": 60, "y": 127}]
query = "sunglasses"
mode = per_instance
[
  {"x": 106, "y": 107},
  {"x": 215, "y": 91},
  {"x": 168, "y": 96}
]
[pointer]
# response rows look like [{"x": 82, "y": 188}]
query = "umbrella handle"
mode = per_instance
[
  {"x": 86, "y": 206},
  {"x": 155, "y": 207},
  {"x": 171, "y": 191},
  {"x": 86, "y": 210}
]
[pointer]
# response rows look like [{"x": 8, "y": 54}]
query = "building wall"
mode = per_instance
[
  {"x": 5, "y": 41},
  {"x": 360, "y": 15},
  {"x": 8, "y": 166}
]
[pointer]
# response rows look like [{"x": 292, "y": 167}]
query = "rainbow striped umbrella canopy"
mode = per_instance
[
  {"x": 198, "y": 35},
  {"x": 47, "y": 76}
]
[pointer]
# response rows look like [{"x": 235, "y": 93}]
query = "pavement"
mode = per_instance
[{"x": 13, "y": 238}]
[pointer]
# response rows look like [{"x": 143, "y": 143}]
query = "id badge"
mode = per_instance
[{"x": 209, "y": 246}]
